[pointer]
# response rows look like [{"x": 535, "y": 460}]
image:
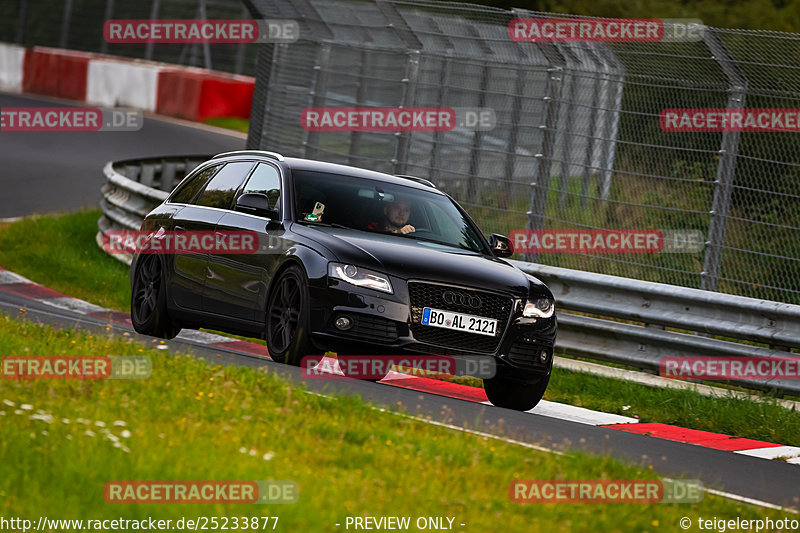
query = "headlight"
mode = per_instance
[
  {"x": 360, "y": 277},
  {"x": 541, "y": 308}
]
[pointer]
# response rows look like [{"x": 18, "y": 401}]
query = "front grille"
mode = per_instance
[
  {"x": 430, "y": 295},
  {"x": 370, "y": 328},
  {"x": 526, "y": 355}
]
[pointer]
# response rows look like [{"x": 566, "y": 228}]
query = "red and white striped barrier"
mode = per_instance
[{"x": 184, "y": 92}]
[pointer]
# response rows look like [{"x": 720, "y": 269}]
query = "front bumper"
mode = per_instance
[{"x": 382, "y": 325}]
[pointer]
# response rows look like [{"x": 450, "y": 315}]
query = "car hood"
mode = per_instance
[{"x": 412, "y": 259}]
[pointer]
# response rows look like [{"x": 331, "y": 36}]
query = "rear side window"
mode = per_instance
[
  {"x": 186, "y": 194},
  {"x": 265, "y": 179},
  {"x": 220, "y": 190}
]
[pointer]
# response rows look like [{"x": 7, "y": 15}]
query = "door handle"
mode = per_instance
[{"x": 180, "y": 228}]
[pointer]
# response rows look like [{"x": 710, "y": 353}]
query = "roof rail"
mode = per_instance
[
  {"x": 423, "y": 181},
  {"x": 273, "y": 155}
]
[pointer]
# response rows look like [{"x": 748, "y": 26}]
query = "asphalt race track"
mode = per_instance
[{"x": 60, "y": 172}]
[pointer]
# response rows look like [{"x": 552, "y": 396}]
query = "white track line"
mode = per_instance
[
  {"x": 773, "y": 452},
  {"x": 7, "y": 278},
  {"x": 73, "y": 304},
  {"x": 577, "y": 414},
  {"x": 202, "y": 337}
]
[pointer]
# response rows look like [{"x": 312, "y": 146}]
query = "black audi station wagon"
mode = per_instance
[{"x": 358, "y": 262}]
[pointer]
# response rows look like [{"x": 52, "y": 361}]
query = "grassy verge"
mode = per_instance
[
  {"x": 231, "y": 123},
  {"x": 60, "y": 251},
  {"x": 190, "y": 420}
]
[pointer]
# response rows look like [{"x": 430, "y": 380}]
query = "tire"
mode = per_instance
[
  {"x": 512, "y": 394},
  {"x": 287, "y": 324},
  {"x": 149, "y": 300}
]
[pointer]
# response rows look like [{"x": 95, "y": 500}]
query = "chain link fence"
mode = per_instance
[
  {"x": 78, "y": 25},
  {"x": 577, "y": 142}
]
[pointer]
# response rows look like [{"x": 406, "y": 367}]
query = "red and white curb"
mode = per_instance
[{"x": 19, "y": 285}]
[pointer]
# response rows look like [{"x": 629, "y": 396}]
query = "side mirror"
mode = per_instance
[
  {"x": 256, "y": 204},
  {"x": 500, "y": 245}
]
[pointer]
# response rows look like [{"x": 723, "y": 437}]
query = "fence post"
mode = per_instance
[
  {"x": 23, "y": 11},
  {"x": 513, "y": 140},
  {"x": 240, "y": 49},
  {"x": 361, "y": 100},
  {"x": 590, "y": 141},
  {"x": 436, "y": 148},
  {"x": 148, "y": 50},
  {"x": 62, "y": 42},
  {"x": 726, "y": 169},
  {"x": 400, "y": 160},
  {"x": 477, "y": 141},
  {"x": 541, "y": 176},
  {"x": 206, "y": 44},
  {"x": 567, "y": 137},
  {"x": 109, "y": 16},
  {"x": 266, "y": 64},
  {"x": 318, "y": 96}
]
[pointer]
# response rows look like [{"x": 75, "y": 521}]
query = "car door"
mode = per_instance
[
  {"x": 237, "y": 285},
  {"x": 188, "y": 270},
  {"x": 201, "y": 213}
]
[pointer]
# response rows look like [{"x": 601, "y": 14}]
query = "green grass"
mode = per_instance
[
  {"x": 231, "y": 123},
  {"x": 195, "y": 421},
  {"x": 59, "y": 251}
]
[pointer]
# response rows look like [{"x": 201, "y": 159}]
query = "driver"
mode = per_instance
[{"x": 397, "y": 214}]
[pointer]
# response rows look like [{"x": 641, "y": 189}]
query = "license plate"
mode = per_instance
[{"x": 458, "y": 321}]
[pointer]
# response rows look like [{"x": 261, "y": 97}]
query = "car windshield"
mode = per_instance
[{"x": 339, "y": 200}]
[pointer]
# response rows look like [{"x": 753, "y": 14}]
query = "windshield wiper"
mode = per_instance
[
  {"x": 461, "y": 246},
  {"x": 326, "y": 224}
]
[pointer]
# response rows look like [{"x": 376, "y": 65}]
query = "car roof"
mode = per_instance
[{"x": 334, "y": 168}]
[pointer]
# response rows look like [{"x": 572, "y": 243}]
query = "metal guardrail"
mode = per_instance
[
  {"x": 135, "y": 187},
  {"x": 630, "y": 317}
]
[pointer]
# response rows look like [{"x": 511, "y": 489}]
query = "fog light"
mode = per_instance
[
  {"x": 543, "y": 356},
  {"x": 343, "y": 323}
]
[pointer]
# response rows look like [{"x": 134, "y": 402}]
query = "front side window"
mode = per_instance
[
  {"x": 266, "y": 180},
  {"x": 220, "y": 190}
]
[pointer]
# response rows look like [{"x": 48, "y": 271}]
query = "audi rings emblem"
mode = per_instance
[{"x": 462, "y": 299}]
